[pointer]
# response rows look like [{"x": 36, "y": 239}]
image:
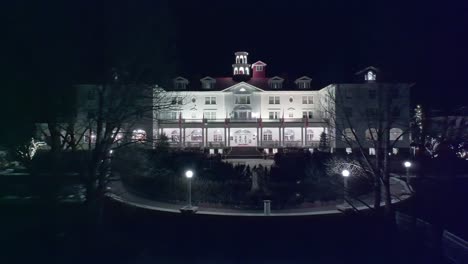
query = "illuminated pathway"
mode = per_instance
[{"x": 119, "y": 193}]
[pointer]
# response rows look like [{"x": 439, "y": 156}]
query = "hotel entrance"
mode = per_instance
[{"x": 243, "y": 137}]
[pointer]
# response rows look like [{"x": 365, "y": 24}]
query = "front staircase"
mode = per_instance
[{"x": 244, "y": 153}]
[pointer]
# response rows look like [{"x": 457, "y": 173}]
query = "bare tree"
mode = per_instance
[{"x": 368, "y": 119}]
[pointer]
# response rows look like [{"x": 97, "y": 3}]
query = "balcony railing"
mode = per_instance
[{"x": 238, "y": 120}]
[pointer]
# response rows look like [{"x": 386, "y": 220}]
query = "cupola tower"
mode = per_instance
[{"x": 241, "y": 69}]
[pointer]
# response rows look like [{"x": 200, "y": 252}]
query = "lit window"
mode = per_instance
[
  {"x": 307, "y": 99},
  {"x": 307, "y": 114},
  {"x": 304, "y": 85},
  {"x": 175, "y": 136},
  {"x": 259, "y": 68},
  {"x": 210, "y": 115},
  {"x": 196, "y": 135},
  {"x": 267, "y": 135},
  {"x": 210, "y": 100},
  {"x": 207, "y": 85},
  {"x": 372, "y": 151},
  {"x": 276, "y": 85},
  {"x": 348, "y": 134},
  {"x": 371, "y": 134},
  {"x": 247, "y": 70},
  {"x": 395, "y": 151},
  {"x": 217, "y": 136},
  {"x": 176, "y": 100},
  {"x": 291, "y": 114},
  {"x": 274, "y": 100},
  {"x": 310, "y": 135},
  {"x": 370, "y": 76},
  {"x": 349, "y": 150},
  {"x": 289, "y": 135},
  {"x": 396, "y": 133},
  {"x": 236, "y": 71},
  {"x": 243, "y": 99},
  {"x": 273, "y": 115},
  {"x": 139, "y": 135}
]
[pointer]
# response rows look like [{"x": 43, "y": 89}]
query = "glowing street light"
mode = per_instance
[
  {"x": 407, "y": 165},
  {"x": 345, "y": 174},
  {"x": 189, "y": 175}
]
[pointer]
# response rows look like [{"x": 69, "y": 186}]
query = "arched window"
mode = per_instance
[
  {"x": 236, "y": 71},
  {"x": 395, "y": 133},
  {"x": 237, "y": 59},
  {"x": 139, "y": 135},
  {"x": 217, "y": 136},
  {"x": 370, "y": 76},
  {"x": 267, "y": 135},
  {"x": 241, "y": 70},
  {"x": 371, "y": 134},
  {"x": 348, "y": 134},
  {"x": 175, "y": 137},
  {"x": 289, "y": 135},
  {"x": 196, "y": 135},
  {"x": 247, "y": 70},
  {"x": 310, "y": 134}
]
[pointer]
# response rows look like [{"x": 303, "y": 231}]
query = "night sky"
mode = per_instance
[{"x": 55, "y": 43}]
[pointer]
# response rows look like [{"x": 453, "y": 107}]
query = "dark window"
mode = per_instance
[
  {"x": 396, "y": 112},
  {"x": 348, "y": 111},
  {"x": 371, "y": 112},
  {"x": 394, "y": 92},
  {"x": 372, "y": 94}
]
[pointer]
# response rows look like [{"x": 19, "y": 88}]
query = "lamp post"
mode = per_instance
[
  {"x": 345, "y": 174},
  {"x": 407, "y": 165},
  {"x": 189, "y": 175}
]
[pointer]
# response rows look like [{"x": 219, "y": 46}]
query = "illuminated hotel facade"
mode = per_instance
[{"x": 250, "y": 109}]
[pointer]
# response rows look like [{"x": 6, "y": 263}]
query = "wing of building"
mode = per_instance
[{"x": 249, "y": 109}]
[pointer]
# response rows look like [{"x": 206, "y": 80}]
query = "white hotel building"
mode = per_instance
[{"x": 252, "y": 110}]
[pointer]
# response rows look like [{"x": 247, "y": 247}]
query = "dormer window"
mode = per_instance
[
  {"x": 276, "y": 85},
  {"x": 303, "y": 82},
  {"x": 180, "y": 83},
  {"x": 370, "y": 76},
  {"x": 276, "y": 82},
  {"x": 180, "y": 86},
  {"x": 259, "y": 67},
  {"x": 207, "y": 85},
  {"x": 207, "y": 82}
]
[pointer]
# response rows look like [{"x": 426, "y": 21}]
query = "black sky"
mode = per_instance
[{"x": 52, "y": 42}]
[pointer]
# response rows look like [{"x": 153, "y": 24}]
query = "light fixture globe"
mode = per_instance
[
  {"x": 407, "y": 164},
  {"x": 189, "y": 174},
  {"x": 345, "y": 173}
]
